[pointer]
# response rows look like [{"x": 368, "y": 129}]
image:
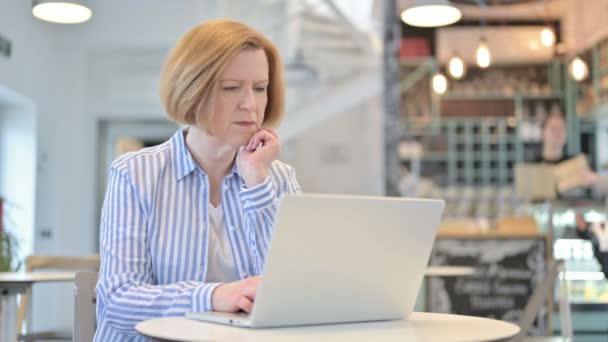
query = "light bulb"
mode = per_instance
[
  {"x": 456, "y": 67},
  {"x": 547, "y": 37},
  {"x": 483, "y": 54},
  {"x": 579, "y": 69},
  {"x": 440, "y": 83}
]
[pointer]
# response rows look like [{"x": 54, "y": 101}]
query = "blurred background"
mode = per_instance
[{"x": 380, "y": 101}]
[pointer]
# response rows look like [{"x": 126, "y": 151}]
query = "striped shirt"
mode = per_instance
[{"x": 154, "y": 234}]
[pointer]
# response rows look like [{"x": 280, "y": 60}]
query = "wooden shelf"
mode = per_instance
[{"x": 491, "y": 96}]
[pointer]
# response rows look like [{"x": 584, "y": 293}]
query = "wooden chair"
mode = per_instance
[
  {"x": 541, "y": 294},
  {"x": 38, "y": 262}
]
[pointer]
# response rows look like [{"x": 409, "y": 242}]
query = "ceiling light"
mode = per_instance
[
  {"x": 579, "y": 69},
  {"x": 430, "y": 13},
  {"x": 484, "y": 58},
  {"x": 547, "y": 36},
  {"x": 440, "y": 83},
  {"x": 456, "y": 67},
  {"x": 61, "y": 12}
]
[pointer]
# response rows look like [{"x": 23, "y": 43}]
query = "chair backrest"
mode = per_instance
[
  {"x": 85, "y": 298},
  {"x": 87, "y": 262},
  {"x": 543, "y": 293}
]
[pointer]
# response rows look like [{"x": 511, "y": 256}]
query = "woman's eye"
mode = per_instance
[
  {"x": 260, "y": 89},
  {"x": 231, "y": 88}
]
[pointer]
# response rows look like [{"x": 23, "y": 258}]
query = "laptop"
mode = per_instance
[{"x": 338, "y": 259}]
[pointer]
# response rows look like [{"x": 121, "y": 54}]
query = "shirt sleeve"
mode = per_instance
[
  {"x": 126, "y": 290},
  {"x": 260, "y": 206}
]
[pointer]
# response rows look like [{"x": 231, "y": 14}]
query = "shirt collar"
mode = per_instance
[{"x": 183, "y": 162}]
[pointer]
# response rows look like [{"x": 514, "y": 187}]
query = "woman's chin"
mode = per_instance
[{"x": 240, "y": 140}]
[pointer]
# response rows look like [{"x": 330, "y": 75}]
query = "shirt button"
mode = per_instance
[{"x": 232, "y": 228}]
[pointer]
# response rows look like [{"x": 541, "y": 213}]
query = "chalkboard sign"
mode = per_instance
[{"x": 507, "y": 271}]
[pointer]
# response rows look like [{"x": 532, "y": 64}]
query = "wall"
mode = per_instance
[
  {"x": 18, "y": 174},
  {"x": 56, "y": 67},
  {"x": 50, "y": 65},
  {"x": 584, "y": 23},
  {"x": 342, "y": 155}
]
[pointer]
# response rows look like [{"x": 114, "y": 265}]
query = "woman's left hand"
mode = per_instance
[
  {"x": 255, "y": 158},
  {"x": 590, "y": 178}
]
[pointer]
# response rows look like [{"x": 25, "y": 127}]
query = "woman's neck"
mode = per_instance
[
  {"x": 211, "y": 154},
  {"x": 552, "y": 153}
]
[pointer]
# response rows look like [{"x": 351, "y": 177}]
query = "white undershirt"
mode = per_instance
[{"x": 220, "y": 263}]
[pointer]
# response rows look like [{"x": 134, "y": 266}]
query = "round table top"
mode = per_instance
[
  {"x": 449, "y": 271},
  {"x": 419, "y": 327}
]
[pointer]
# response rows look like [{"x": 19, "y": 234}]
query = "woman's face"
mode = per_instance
[
  {"x": 242, "y": 94},
  {"x": 554, "y": 133}
]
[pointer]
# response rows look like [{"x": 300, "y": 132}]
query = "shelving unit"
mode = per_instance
[
  {"x": 479, "y": 152},
  {"x": 480, "y": 134}
]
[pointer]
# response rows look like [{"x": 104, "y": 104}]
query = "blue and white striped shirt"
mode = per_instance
[{"x": 154, "y": 234}]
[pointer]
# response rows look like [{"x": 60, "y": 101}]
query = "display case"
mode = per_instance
[{"x": 587, "y": 286}]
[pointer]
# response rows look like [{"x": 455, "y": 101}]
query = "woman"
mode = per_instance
[
  {"x": 185, "y": 225},
  {"x": 554, "y": 139},
  {"x": 554, "y": 132}
]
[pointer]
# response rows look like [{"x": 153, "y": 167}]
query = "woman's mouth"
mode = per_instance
[{"x": 245, "y": 123}]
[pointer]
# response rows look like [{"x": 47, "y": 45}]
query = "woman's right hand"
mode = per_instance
[{"x": 235, "y": 296}]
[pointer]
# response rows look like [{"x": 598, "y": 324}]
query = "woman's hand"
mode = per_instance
[
  {"x": 601, "y": 234},
  {"x": 590, "y": 178},
  {"x": 255, "y": 159},
  {"x": 235, "y": 296}
]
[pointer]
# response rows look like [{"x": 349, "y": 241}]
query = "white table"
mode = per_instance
[
  {"x": 449, "y": 271},
  {"x": 420, "y": 327},
  {"x": 14, "y": 283}
]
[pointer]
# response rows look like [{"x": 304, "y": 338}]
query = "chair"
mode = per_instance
[
  {"x": 85, "y": 300},
  {"x": 542, "y": 293},
  {"x": 38, "y": 262}
]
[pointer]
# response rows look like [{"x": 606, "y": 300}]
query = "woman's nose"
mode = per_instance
[{"x": 248, "y": 100}]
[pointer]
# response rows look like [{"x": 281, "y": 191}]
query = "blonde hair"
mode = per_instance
[{"x": 194, "y": 65}]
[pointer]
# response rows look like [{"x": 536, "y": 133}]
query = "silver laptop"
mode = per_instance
[{"x": 336, "y": 259}]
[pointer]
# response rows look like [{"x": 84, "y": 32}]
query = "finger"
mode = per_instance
[
  {"x": 268, "y": 138},
  {"x": 595, "y": 228},
  {"x": 255, "y": 142},
  {"x": 271, "y": 131},
  {"x": 251, "y": 142},
  {"x": 245, "y": 304},
  {"x": 250, "y": 292},
  {"x": 261, "y": 136}
]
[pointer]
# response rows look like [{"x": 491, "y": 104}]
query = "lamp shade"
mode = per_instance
[
  {"x": 61, "y": 11},
  {"x": 430, "y": 13}
]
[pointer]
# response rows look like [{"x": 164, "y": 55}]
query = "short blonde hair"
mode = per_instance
[{"x": 194, "y": 66}]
